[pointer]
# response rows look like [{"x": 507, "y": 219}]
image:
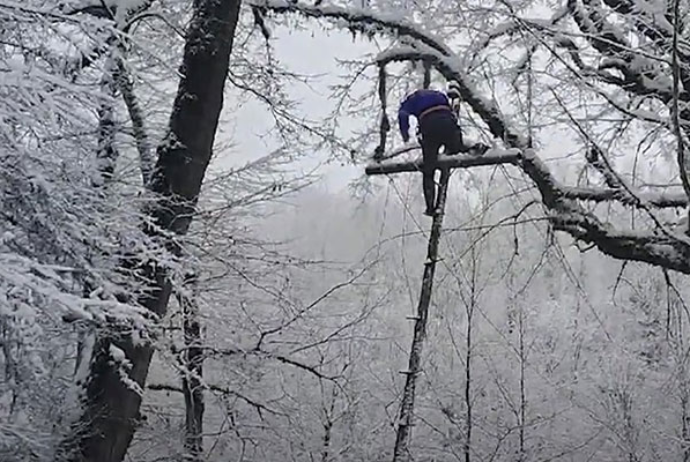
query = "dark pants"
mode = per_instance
[{"x": 437, "y": 128}]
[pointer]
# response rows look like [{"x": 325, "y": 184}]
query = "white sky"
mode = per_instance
[
  {"x": 304, "y": 52},
  {"x": 314, "y": 52}
]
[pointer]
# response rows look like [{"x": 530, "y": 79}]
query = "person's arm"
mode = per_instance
[
  {"x": 464, "y": 149},
  {"x": 404, "y": 121}
]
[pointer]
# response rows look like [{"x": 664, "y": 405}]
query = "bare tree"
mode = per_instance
[
  {"x": 192, "y": 367},
  {"x": 659, "y": 245},
  {"x": 112, "y": 406},
  {"x": 628, "y": 79}
]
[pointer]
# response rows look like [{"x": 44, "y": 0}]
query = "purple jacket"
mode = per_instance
[{"x": 416, "y": 103}]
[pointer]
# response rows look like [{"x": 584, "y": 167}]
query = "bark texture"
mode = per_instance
[{"x": 112, "y": 405}]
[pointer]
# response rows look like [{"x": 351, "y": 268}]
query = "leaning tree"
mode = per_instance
[
  {"x": 587, "y": 99},
  {"x": 598, "y": 76},
  {"x": 120, "y": 358}
]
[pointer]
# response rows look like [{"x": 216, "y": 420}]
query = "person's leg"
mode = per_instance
[
  {"x": 454, "y": 142},
  {"x": 451, "y": 135},
  {"x": 430, "y": 149}
]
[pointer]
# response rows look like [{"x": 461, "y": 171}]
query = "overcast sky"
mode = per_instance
[
  {"x": 314, "y": 52},
  {"x": 304, "y": 52}
]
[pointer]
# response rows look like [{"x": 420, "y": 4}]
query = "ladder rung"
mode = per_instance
[{"x": 430, "y": 261}]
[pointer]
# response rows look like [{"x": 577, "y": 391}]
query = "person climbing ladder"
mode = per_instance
[{"x": 438, "y": 127}]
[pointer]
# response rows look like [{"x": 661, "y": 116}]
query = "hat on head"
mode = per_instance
[{"x": 453, "y": 91}]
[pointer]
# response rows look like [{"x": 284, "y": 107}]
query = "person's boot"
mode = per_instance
[
  {"x": 429, "y": 192},
  {"x": 479, "y": 149},
  {"x": 378, "y": 154}
]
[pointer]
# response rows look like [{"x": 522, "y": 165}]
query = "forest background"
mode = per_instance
[{"x": 194, "y": 267}]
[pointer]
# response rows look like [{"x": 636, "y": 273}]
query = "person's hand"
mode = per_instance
[
  {"x": 378, "y": 153},
  {"x": 479, "y": 148}
]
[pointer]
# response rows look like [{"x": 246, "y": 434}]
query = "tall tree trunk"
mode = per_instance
[
  {"x": 106, "y": 153},
  {"x": 468, "y": 368},
  {"x": 111, "y": 406},
  {"x": 683, "y": 383},
  {"x": 469, "y": 354},
  {"x": 523, "y": 390},
  {"x": 685, "y": 418},
  {"x": 192, "y": 388},
  {"x": 328, "y": 417}
]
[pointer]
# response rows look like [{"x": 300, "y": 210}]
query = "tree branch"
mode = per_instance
[
  {"x": 136, "y": 115},
  {"x": 513, "y": 156},
  {"x": 669, "y": 250},
  {"x": 222, "y": 390},
  {"x": 675, "y": 112},
  {"x": 360, "y": 21},
  {"x": 611, "y": 43},
  {"x": 492, "y": 157},
  {"x": 210, "y": 351}
]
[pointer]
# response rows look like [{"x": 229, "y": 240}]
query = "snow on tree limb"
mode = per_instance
[
  {"x": 362, "y": 20},
  {"x": 659, "y": 200},
  {"x": 669, "y": 251},
  {"x": 653, "y": 25},
  {"x": 640, "y": 74},
  {"x": 658, "y": 247},
  {"x": 448, "y": 66},
  {"x": 126, "y": 86},
  {"x": 636, "y": 70},
  {"x": 492, "y": 157},
  {"x": 512, "y": 156},
  {"x": 427, "y": 48},
  {"x": 647, "y": 247},
  {"x": 47, "y": 280}
]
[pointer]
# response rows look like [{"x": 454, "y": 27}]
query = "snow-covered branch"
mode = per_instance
[
  {"x": 492, "y": 157},
  {"x": 659, "y": 200},
  {"x": 641, "y": 73},
  {"x": 664, "y": 249},
  {"x": 513, "y": 156},
  {"x": 360, "y": 20},
  {"x": 449, "y": 67},
  {"x": 668, "y": 251},
  {"x": 426, "y": 48},
  {"x": 644, "y": 246},
  {"x": 136, "y": 115}
]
